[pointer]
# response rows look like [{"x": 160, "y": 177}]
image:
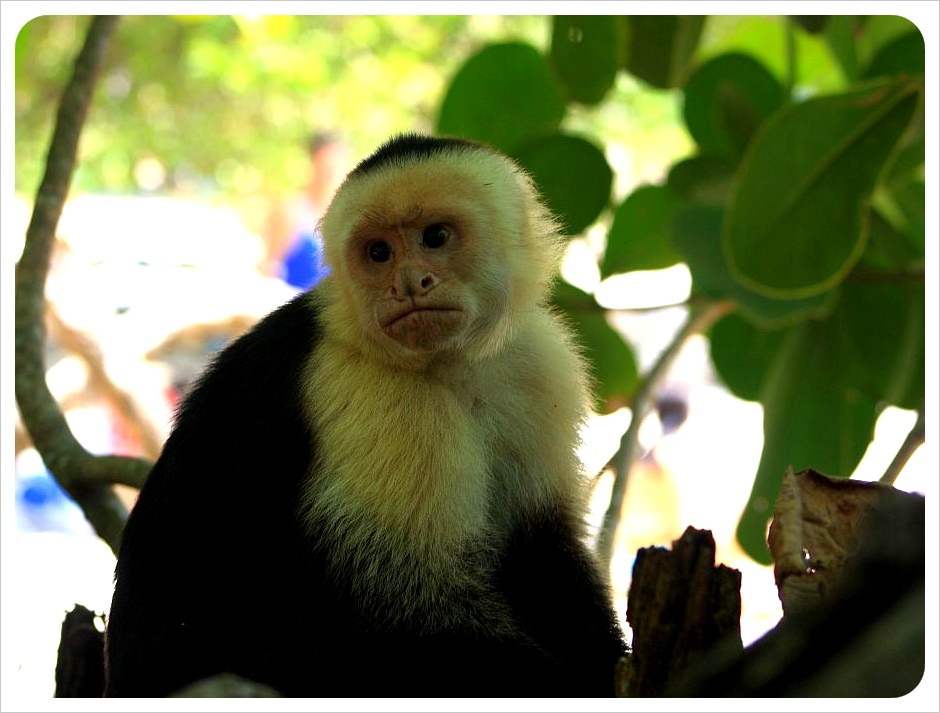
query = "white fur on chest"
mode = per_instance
[
  {"x": 398, "y": 454},
  {"x": 417, "y": 475}
]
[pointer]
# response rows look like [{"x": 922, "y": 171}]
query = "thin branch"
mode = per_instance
[
  {"x": 151, "y": 439},
  {"x": 698, "y": 321},
  {"x": 594, "y": 308},
  {"x": 652, "y": 308},
  {"x": 85, "y": 477},
  {"x": 911, "y": 443}
]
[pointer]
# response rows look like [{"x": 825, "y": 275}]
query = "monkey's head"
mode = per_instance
[{"x": 436, "y": 247}]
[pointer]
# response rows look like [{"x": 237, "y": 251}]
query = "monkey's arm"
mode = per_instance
[{"x": 209, "y": 557}]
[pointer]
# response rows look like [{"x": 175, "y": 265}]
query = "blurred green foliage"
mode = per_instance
[{"x": 226, "y": 103}]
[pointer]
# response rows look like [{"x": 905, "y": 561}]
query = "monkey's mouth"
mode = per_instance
[
  {"x": 418, "y": 314},
  {"x": 424, "y": 328}
]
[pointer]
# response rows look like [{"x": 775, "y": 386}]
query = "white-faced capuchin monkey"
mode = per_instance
[{"x": 375, "y": 491}]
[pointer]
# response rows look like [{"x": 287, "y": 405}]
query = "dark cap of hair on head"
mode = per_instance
[{"x": 412, "y": 147}]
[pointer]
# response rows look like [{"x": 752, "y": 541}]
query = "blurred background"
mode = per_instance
[{"x": 213, "y": 145}]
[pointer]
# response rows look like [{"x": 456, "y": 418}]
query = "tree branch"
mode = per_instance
[
  {"x": 85, "y": 477},
  {"x": 698, "y": 321},
  {"x": 151, "y": 439},
  {"x": 911, "y": 443}
]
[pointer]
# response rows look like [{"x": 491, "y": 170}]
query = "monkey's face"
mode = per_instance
[
  {"x": 414, "y": 282},
  {"x": 434, "y": 256}
]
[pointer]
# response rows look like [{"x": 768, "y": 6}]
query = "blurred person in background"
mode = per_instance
[{"x": 293, "y": 243}]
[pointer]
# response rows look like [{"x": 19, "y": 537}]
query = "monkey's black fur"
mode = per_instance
[{"x": 211, "y": 573}]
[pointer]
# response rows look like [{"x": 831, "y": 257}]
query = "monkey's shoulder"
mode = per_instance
[
  {"x": 242, "y": 417},
  {"x": 267, "y": 359},
  {"x": 280, "y": 339}
]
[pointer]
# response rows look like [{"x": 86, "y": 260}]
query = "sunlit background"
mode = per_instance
[{"x": 160, "y": 237}]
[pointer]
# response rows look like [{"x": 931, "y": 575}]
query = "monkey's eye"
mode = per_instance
[
  {"x": 435, "y": 236},
  {"x": 380, "y": 251}
]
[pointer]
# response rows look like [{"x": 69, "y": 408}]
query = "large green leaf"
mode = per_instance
[
  {"x": 903, "y": 197},
  {"x": 797, "y": 217},
  {"x": 888, "y": 249},
  {"x": 613, "y": 364},
  {"x": 764, "y": 37},
  {"x": 639, "y": 237},
  {"x": 726, "y": 100},
  {"x": 704, "y": 180},
  {"x": 503, "y": 96},
  {"x": 587, "y": 52},
  {"x": 815, "y": 416},
  {"x": 883, "y": 349},
  {"x": 878, "y": 31},
  {"x": 696, "y": 233},
  {"x": 885, "y": 333},
  {"x": 611, "y": 359},
  {"x": 570, "y": 299},
  {"x": 743, "y": 354},
  {"x": 841, "y": 31},
  {"x": 660, "y": 47},
  {"x": 572, "y": 175},
  {"x": 813, "y": 24},
  {"x": 903, "y": 55}
]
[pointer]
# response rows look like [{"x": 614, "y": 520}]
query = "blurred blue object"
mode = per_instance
[
  {"x": 303, "y": 265},
  {"x": 43, "y": 506}
]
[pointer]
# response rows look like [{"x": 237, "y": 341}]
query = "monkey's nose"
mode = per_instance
[
  {"x": 411, "y": 282},
  {"x": 428, "y": 282}
]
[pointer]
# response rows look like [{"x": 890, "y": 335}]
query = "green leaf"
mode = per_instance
[
  {"x": 913, "y": 399},
  {"x": 889, "y": 250},
  {"x": 878, "y": 31},
  {"x": 764, "y": 38},
  {"x": 639, "y": 238},
  {"x": 885, "y": 327},
  {"x": 503, "y": 96},
  {"x": 903, "y": 196},
  {"x": 908, "y": 164},
  {"x": 572, "y": 175},
  {"x": 840, "y": 36},
  {"x": 696, "y": 233},
  {"x": 814, "y": 417},
  {"x": 612, "y": 362},
  {"x": 813, "y": 24},
  {"x": 742, "y": 354},
  {"x": 610, "y": 358},
  {"x": 705, "y": 180},
  {"x": 587, "y": 52},
  {"x": 903, "y": 55},
  {"x": 911, "y": 198},
  {"x": 660, "y": 47},
  {"x": 797, "y": 219},
  {"x": 23, "y": 46},
  {"x": 569, "y": 298},
  {"x": 726, "y": 100}
]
